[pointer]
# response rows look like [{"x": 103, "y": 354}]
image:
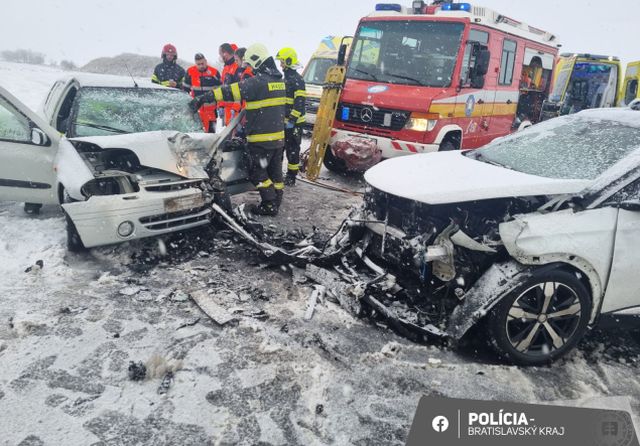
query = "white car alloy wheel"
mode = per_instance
[{"x": 542, "y": 319}]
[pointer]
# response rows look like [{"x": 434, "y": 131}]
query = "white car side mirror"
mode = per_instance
[{"x": 38, "y": 137}]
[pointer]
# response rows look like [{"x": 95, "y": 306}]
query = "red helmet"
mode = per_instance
[
  {"x": 169, "y": 49},
  {"x": 234, "y": 47}
]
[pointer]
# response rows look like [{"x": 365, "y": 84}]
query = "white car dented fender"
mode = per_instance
[{"x": 584, "y": 240}]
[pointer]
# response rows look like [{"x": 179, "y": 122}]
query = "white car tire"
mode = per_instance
[{"x": 542, "y": 319}]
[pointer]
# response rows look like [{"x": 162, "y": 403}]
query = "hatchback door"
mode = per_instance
[{"x": 28, "y": 147}]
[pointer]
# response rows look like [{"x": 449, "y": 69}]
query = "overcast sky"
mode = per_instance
[{"x": 81, "y": 30}]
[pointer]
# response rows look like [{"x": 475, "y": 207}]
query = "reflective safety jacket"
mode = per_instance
[
  {"x": 168, "y": 71},
  {"x": 296, "y": 96},
  {"x": 230, "y": 72},
  {"x": 199, "y": 82},
  {"x": 265, "y": 105},
  {"x": 246, "y": 73}
]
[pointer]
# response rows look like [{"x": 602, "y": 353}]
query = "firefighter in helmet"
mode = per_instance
[
  {"x": 295, "y": 111},
  {"x": 265, "y": 99},
  {"x": 168, "y": 72}
]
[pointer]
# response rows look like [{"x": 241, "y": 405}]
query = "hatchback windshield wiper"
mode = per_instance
[
  {"x": 100, "y": 127},
  {"x": 400, "y": 76},
  {"x": 373, "y": 76}
]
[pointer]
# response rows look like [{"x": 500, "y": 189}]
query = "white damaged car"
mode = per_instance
[
  {"x": 115, "y": 188},
  {"x": 536, "y": 235}
]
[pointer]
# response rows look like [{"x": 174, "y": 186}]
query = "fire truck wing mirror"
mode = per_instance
[
  {"x": 482, "y": 61},
  {"x": 480, "y": 67},
  {"x": 342, "y": 54}
]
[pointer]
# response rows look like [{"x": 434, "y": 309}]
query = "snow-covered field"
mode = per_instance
[{"x": 69, "y": 331}]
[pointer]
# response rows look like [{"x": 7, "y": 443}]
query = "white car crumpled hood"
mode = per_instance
[
  {"x": 451, "y": 177},
  {"x": 180, "y": 153}
]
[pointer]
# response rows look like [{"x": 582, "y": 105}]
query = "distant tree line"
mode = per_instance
[
  {"x": 23, "y": 56},
  {"x": 33, "y": 57}
]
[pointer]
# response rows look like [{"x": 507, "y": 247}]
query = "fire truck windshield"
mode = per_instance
[{"x": 415, "y": 52}]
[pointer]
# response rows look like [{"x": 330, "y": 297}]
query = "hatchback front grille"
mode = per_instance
[{"x": 175, "y": 219}]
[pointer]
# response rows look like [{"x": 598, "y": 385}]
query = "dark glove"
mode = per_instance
[{"x": 195, "y": 104}]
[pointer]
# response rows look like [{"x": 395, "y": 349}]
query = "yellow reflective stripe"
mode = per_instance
[
  {"x": 290, "y": 101},
  {"x": 295, "y": 113},
  {"x": 264, "y": 184},
  {"x": 217, "y": 93},
  {"x": 298, "y": 93},
  {"x": 278, "y": 186},
  {"x": 276, "y": 86},
  {"x": 264, "y": 137},
  {"x": 301, "y": 120},
  {"x": 235, "y": 91},
  {"x": 293, "y": 166},
  {"x": 254, "y": 105}
]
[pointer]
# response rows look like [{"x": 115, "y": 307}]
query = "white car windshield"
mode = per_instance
[
  {"x": 108, "y": 111},
  {"x": 569, "y": 147}
]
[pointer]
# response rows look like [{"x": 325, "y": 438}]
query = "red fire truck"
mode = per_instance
[{"x": 436, "y": 77}]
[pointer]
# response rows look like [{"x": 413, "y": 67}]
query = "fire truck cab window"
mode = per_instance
[
  {"x": 420, "y": 53},
  {"x": 507, "y": 62},
  {"x": 468, "y": 60}
]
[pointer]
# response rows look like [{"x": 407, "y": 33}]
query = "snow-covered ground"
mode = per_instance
[{"x": 69, "y": 331}]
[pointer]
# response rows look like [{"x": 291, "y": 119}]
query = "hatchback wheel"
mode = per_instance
[{"x": 541, "y": 320}]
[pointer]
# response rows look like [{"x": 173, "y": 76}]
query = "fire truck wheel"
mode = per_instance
[
  {"x": 333, "y": 163},
  {"x": 448, "y": 145}
]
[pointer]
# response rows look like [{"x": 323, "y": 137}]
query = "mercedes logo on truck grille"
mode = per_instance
[{"x": 366, "y": 115}]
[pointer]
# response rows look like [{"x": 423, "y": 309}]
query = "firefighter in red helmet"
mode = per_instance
[{"x": 168, "y": 72}]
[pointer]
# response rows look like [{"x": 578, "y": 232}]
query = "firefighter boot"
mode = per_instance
[
  {"x": 279, "y": 195},
  {"x": 290, "y": 178},
  {"x": 269, "y": 208}
]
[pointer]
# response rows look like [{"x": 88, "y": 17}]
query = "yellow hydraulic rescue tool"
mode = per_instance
[{"x": 331, "y": 90}]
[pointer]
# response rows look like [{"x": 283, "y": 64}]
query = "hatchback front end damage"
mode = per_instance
[{"x": 149, "y": 184}]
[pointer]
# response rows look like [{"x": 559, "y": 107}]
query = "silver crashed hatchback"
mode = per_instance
[{"x": 115, "y": 188}]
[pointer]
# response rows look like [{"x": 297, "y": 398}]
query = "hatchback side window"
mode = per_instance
[{"x": 13, "y": 125}]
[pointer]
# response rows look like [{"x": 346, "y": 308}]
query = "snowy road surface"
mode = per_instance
[{"x": 69, "y": 331}]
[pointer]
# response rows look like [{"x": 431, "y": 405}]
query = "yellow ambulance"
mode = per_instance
[{"x": 314, "y": 73}]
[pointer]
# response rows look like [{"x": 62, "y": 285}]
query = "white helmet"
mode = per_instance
[{"x": 256, "y": 54}]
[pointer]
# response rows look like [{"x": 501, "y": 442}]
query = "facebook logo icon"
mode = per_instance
[{"x": 440, "y": 423}]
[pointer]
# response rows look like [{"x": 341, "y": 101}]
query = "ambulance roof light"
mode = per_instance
[
  {"x": 389, "y": 7},
  {"x": 456, "y": 7}
]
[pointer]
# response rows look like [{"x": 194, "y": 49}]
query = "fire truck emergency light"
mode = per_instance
[
  {"x": 389, "y": 7},
  {"x": 456, "y": 7}
]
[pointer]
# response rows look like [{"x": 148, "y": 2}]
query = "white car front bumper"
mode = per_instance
[{"x": 151, "y": 213}]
